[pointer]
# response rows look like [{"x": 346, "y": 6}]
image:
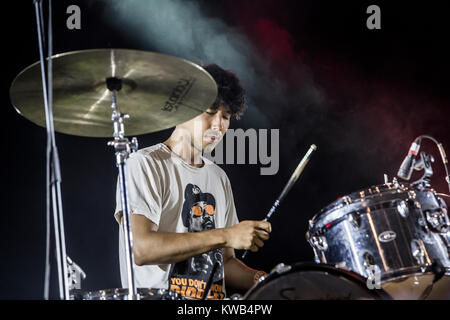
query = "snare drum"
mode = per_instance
[
  {"x": 391, "y": 234},
  {"x": 311, "y": 281},
  {"x": 122, "y": 294}
]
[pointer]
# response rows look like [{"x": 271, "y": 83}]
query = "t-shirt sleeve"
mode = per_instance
[
  {"x": 144, "y": 188},
  {"x": 231, "y": 216}
]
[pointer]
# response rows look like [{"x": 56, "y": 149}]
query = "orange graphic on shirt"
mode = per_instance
[{"x": 195, "y": 289}]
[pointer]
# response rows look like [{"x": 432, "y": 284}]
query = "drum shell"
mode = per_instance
[{"x": 379, "y": 230}]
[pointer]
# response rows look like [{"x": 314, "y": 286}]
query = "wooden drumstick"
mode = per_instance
[{"x": 300, "y": 167}]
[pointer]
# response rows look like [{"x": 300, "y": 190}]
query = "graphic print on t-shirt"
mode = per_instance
[{"x": 189, "y": 277}]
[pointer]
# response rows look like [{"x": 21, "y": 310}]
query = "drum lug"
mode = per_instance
[
  {"x": 319, "y": 242},
  {"x": 319, "y": 257},
  {"x": 395, "y": 183},
  {"x": 403, "y": 209},
  {"x": 355, "y": 219},
  {"x": 418, "y": 251},
  {"x": 347, "y": 200},
  {"x": 368, "y": 260},
  {"x": 436, "y": 220},
  {"x": 421, "y": 221}
]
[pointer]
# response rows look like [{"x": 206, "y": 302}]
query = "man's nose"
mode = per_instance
[{"x": 216, "y": 123}]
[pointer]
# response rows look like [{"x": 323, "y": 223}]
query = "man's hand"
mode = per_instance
[{"x": 248, "y": 235}]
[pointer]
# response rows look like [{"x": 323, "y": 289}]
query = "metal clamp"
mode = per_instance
[
  {"x": 75, "y": 274},
  {"x": 280, "y": 268}
]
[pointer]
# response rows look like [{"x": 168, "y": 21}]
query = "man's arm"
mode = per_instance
[
  {"x": 153, "y": 247},
  {"x": 237, "y": 274}
]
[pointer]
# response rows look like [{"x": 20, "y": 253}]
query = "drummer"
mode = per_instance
[{"x": 183, "y": 216}]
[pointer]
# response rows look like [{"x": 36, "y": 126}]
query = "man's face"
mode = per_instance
[{"x": 207, "y": 129}]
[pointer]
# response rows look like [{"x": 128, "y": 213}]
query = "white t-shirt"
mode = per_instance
[{"x": 177, "y": 197}]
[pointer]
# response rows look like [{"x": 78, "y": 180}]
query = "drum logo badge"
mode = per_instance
[{"x": 387, "y": 236}]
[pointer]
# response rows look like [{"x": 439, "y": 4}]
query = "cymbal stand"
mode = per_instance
[
  {"x": 123, "y": 148},
  {"x": 53, "y": 168}
]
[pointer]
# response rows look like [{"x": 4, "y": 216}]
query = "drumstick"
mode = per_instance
[{"x": 300, "y": 167}]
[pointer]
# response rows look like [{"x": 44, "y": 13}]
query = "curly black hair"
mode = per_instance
[{"x": 230, "y": 92}]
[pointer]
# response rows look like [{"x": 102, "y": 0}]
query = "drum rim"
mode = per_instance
[
  {"x": 121, "y": 292},
  {"x": 330, "y": 268},
  {"x": 407, "y": 272},
  {"x": 355, "y": 204}
]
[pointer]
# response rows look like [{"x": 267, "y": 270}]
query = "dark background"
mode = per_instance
[{"x": 318, "y": 74}]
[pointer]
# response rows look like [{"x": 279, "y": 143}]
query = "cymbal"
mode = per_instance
[{"x": 158, "y": 91}]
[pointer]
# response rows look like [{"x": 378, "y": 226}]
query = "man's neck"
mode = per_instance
[{"x": 186, "y": 150}]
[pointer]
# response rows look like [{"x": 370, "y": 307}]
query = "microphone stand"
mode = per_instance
[
  {"x": 53, "y": 177},
  {"x": 444, "y": 158}
]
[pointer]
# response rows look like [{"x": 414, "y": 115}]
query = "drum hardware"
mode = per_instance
[
  {"x": 75, "y": 274},
  {"x": 300, "y": 167},
  {"x": 402, "y": 209},
  {"x": 123, "y": 294},
  {"x": 406, "y": 262},
  {"x": 355, "y": 219},
  {"x": 395, "y": 182},
  {"x": 409, "y": 163},
  {"x": 437, "y": 221},
  {"x": 418, "y": 252},
  {"x": 123, "y": 147},
  {"x": 347, "y": 200},
  {"x": 368, "y": 262},
  {"x": 319, "y": 242},
  {"x": 318, "y": 254},
  {"x": 424, "y": 163},
  {"x": 279, "y": 269},
  {"x": 373, "y": 275}
]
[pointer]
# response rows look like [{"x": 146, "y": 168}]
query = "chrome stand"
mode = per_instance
[
  {"x": 123, "y": 148},
  {"x": 53, "y": 169}
]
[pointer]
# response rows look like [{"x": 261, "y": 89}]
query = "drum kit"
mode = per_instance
[{"x": 389, "y": 241}]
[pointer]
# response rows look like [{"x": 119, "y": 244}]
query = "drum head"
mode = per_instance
[{"x": 310, "y": 281}]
